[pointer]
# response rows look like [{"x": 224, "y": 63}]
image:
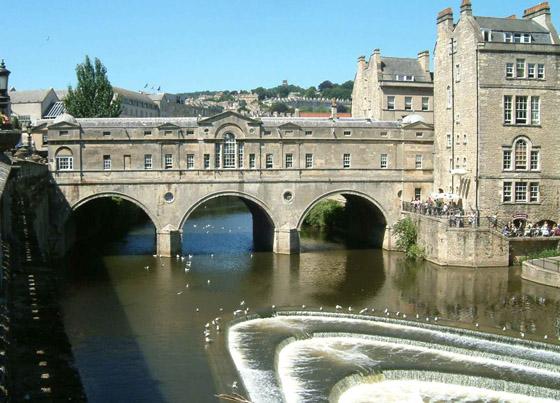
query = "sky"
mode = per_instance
[{"x": 193, "y": 45}]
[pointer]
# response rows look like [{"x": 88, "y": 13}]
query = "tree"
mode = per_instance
[
  {"x": 280, "y": 107},
  {"x": 325, "y": 85},
  {"x": 311, "y": 92},
  {"x": 93, "y": 96}
]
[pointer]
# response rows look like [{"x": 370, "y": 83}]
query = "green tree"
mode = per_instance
[
  {"x": 311, "y": 92},
  {"x": 325, "y": 85},
  {"x": 93, "y": 96},
  {"x": 406, "y": 234},
  {"x": 280, "y": 107}
]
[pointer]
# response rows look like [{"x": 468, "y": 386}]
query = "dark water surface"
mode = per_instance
[{"x": 137, "y": 336}]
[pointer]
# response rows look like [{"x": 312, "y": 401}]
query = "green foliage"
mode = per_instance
[
  {"x": 16, "y": 124},
  {"x": 540, "y": 254},
  {"x": 325, "y": 85},
  {"x": 341, "y": 91},
  {"x": 281, "y": 107},
  {"x": 311, "y": 92},
  {"x": 325, "y": 214},
  {"x": 93, "y": 96},
  {"x": 406, "y": 234}
]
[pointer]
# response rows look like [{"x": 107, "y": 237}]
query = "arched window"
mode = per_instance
[
  {"x": 520, "y": 154},
  {"x": 229, "y": 151},
  {"x": 64, "y": 159}
]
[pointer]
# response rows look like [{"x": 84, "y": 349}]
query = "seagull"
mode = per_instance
[
  {"x": 208, "y": 339},
  {"x": 198, "y": 310},
  {"x": 504, "y": 328},
  {"x": 349, "y": 309},
  {"x": 190, "y": 256},
  {"x": 234, "y": 385},
  {"x": 179, "y": 292},
  {"x": 320, "y": 308},
  {"x": 398, "y": 313},
  {"x": 522, "y": 334},
  {"x": 417, "y": 316},
  {"x": 212, "y": 255},
  {"x": 208, "y": 281},
  {"x": 476, "y": 324},
  {"x": 251, "y": 255},
  {"x": 546, "y": 336},
  {"x": 147, "y": 267},
  {"x": 242, "y": 303},
  {"x": 238, "y": 312},
  {"x": 436, "y": 318},
  {"x": 154, "y": 255},
  {"x": 273, "y": 306},
  {"x": 217, "y": 328},
  {"x": 187, "y": 285},
  {"x": 338, "y": 307},
  {"x": 363, "y": 311},
  {"x": 207, "y": 325},
  {"x": 303, "y": 307},
  {"x": 404, "y": 315}
]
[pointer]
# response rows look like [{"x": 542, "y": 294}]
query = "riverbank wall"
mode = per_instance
[
  {"x": 37, "y": 356},
  {"x": 466, "y": 246}
]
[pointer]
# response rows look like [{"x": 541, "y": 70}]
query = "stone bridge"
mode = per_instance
[{"x": 279, "y": 178}]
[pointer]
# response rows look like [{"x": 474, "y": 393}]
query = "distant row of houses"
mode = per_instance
[{"x": 32, "y": 105}]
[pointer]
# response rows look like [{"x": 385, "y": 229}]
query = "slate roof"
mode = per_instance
[
  {"x": 31, "y": 96},
  {"x": 393, "y": 66},
  {"x": 538, "y": 33},
  {"x": 55, "y": 110},
  {"x": 137, "y": 96}
]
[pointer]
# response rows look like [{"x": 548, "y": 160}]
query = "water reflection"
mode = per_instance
[{"x": 137, "y": 334}]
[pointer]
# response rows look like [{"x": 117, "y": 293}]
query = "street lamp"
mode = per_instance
[{"x": 4, "y": 98}]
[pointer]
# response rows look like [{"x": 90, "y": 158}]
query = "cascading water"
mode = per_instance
[{"x": 312, "y": 357}]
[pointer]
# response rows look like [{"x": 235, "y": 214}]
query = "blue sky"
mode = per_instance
[{"x": 189, "y": 45}]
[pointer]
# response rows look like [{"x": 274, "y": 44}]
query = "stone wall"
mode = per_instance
[{"x": 471, "y": 247}]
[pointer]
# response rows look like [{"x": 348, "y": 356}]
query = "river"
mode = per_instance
[{"x": 135, "y": 322}]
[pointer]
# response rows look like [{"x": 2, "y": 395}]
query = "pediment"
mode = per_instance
[
  {"x": 168, "y": 126},
  {"x": 419, "y": 125},
  {"x": 289, "y": 126},
  {"x": 63, "y": 126},
  {"x": 225, "y": 116}
]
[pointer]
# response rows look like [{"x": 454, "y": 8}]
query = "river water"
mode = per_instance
[{"x": 136, "y": 321}]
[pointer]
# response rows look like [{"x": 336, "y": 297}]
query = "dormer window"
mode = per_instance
[
  {"x": 404, "y": 77},
  {"x": 487, "y": 36},
  {"x": 508, "y": 37}
]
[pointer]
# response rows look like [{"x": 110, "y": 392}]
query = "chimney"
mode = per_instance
[
  {"x": 541, "y": 15},
  {"x": 361, "y": 63},
  {"x": 376, "y": 59},
  {"x": 445, "y": 17},
  {"x": 466, "y": 8},
  {"x": 424, "y": 60},
  {"x": 333, "y": 109}
]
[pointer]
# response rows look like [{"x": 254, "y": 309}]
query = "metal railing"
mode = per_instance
[
  {"x": 551, "y": 264},
  {"x": 453, "y": 215}
]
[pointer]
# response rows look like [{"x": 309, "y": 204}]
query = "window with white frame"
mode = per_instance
[
  {"x": 508, "y": 37},
  {"x": 309, "y": 160},
  {"x": 449, "y": 140},
  {"x": 520, "y": 150},
  {"x": 540, "y": 71},
  {"x": 531, "y": 70},
  {"x": 449, "y": 97},
  {"x": 252, "y": 161},
  {"x": 418, "y": 161},
  {"x": 534, "y": 192},
  {"x": 190, "y": 161},
  {"x": 520, "y": 68},
  {"x": 391, "y": 102},
  {"x": 506, "y": 192},
  {"x": 509, "y": 70},
  {"x": 535, "y": 110},
  {"x": 217, "y": 155},
  {"x": 506, "y": 159},
  {"x": 206, "y": 161},
  {"x": 106, "y": 162},
  {"x": 464, "y": 139},
  {"x": 425, "y": 103},
  {"x": 534, "y": 163},
  {"x": 289, "y": 161},
  {"x": 417, "y": 193},
  {"x": 508, "y": 108},
  {"x": 64, "y": 163},
  {"x": 168, "y": 161},
  {"x": 148, "y": 161},
  {"x": 240, "y": 154},
  {"x": 407, "y": 103},
  {"x": 521, "y": 191},
  {"x": 521, "y": 109},
  {"x": 269, "y": 162},
  {"x": 346, "y": 161},
  {"x": 347, "y": 132},
  {"x": 383, "y": 161},
  {"x": 229, "y": 151}
]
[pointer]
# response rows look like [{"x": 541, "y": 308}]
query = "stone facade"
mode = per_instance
[
  {"x": 391, "y": 88},
  {"x": 496, "y": 96},
  {"x": 281, "y": 166}
]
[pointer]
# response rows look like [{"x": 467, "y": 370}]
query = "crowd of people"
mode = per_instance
[
  {"x": 528, "y": 229},
  {"x": 454, "y": 212}
]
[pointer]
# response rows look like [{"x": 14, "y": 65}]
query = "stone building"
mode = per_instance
[
  {"x": 496, "y": 96},
  {"x": 32, "y": 105},
  {"x": 391, "y": 88}
]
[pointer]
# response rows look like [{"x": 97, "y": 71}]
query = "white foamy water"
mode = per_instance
[{"x": 429, "y": 392}]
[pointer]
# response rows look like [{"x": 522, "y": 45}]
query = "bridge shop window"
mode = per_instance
[
  {"x": 64, "y": 159},
  {"x": 229, "y": 153},
  {"x": 289, "y": 163},
  {"x": 383, "y": 161},
  {"x": 391, "y": 102},
  {"x": 106, "y": 162},
  {"x": 148, "y": 161},
  {"x": 206, "y": 161},
  {"x": 418, "y": 161},
  {"x": 346, "y": 161},
  {"x": 190, "y": 161},
  {"x": 269, "y": 164},
  {"x": 252, "y": 161},
  {"x": 521, "y": 156},
  {"x": 168, "y": 161},
  {"x": 147, "y": 132},
  {"x": 309, "y": 160},
  {"x": 106, "y": 133},
  {"x": 425, "y": 103}
]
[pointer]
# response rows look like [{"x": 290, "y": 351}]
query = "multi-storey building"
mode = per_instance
[
  {"x": 497, "y": 98},
  {"x": 391, "y": 88}
]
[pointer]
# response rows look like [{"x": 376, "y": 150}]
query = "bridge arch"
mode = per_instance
[
  {"x": 123, "y": 196},
  {"x": 264, "y": 222},
  {"x": 369, "y": 230}
]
